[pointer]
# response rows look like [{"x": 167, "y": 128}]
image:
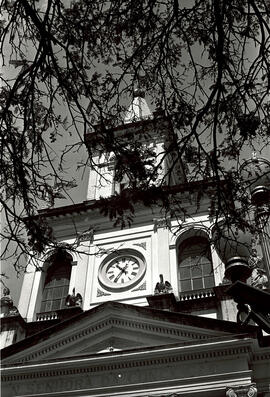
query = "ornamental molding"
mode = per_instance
[
  {"x": 189, "y": 228},
  {"x": 261, "y": 356},
  {"x": 45, "y": 259},
  {"x": 125, "y": 364},
  {"x": 142, "y": 245},
  {"x": 101, "y": 293},
  {"x": 142, "y": 287}
]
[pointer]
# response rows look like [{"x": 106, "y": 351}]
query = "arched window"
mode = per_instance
[
  {"x": 195, "y": 270},
  {"x": 56, "y": 284}
]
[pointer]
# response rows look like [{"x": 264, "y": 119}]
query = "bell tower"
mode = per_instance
[
  {"x": 145, "y": 134},
  {"x": 134, "y": 257}
]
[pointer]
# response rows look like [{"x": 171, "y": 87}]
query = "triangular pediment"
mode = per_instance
[{"x": 113, "y": 326}]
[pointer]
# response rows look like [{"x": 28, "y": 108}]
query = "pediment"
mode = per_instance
[{"x": 114, "y": 326}]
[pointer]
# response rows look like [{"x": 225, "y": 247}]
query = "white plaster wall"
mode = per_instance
[
  {"x": 156, "y": 254},
  {"x": 159, "y": 161},
  {"x": 159, "y": 253},
  {"x": 92, "y": 180},
  {"x": 127, "y": 239},
  {"x": 30, "y": 288}
]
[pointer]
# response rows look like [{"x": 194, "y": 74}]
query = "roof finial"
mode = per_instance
[{"x": 139, "y": 92}]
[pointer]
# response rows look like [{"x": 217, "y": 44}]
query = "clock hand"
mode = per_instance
[
  {"x": 117, "y": 277},
  {"x": 123, "y": 270}
]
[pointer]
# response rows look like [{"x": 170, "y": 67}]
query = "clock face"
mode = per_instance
[{"x": 121, "y": 272}]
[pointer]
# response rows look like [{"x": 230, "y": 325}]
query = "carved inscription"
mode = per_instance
[
  {"x": 48, "y": 385},
  {"x": 88, "y": 381}
]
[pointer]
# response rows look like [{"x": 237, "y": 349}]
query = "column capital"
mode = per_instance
[
  {"x": 87, "y": 235},
  {"x": 164, "y": 222},
  {"x": 242, "y": 391}
]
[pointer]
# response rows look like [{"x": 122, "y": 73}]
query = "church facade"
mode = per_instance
[{"x": 138, "y": 311}]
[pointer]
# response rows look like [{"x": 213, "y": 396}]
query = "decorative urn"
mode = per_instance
[
  {"x": 6, "y": 303},
  {"x": 256, "y": 171},
  {"x": 234, "y": 247}
]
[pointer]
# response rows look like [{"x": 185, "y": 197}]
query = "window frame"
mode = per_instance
[
  {"x": 56, "y": 271},
  {"x": 193, "y": 258}
]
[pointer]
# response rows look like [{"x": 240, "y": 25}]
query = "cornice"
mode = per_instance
[
  {"x": 262, "y": 356},
  {"x": 125, "y": 360},
  {"x": 95, "y": 204},
  {"x": 158, "y": 125}
]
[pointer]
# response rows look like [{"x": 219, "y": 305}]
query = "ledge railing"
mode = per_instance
[
  {"x": 46, "y": 316},
  {"x": 196, "y": 294}
]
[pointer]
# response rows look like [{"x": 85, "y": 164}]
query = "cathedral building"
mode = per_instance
[{"x": 145, "y": 310}]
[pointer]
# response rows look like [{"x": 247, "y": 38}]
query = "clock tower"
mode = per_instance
[
  {"x": 132, "y": 258},
  {"x": 103, "y": 262}
]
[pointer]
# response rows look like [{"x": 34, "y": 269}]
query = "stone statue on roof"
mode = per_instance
[{"x": 6, "y": 304}]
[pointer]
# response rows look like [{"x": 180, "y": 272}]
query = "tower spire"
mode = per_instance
[{"x": 138, "y": 109}]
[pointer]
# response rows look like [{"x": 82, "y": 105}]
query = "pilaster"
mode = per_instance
[
  {"x": 29, "y": 291},
  {"x": 174, "y": 269},
  {"x": 263, "y": 215},
  {"x": 34, "y": 295},
  {"x": 162, "y": 232},
  {"x": 72, "y": 280},
  {"x": 92, "y": 182},
  {"x": 89, "y": 279}
]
